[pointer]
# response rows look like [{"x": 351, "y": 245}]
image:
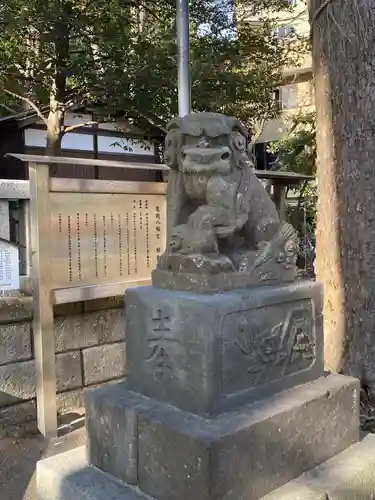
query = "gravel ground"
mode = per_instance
[{"x": 18, "y": 458}]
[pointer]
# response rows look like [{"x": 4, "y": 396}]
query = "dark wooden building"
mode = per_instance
[{"x": 118, "y": 140}]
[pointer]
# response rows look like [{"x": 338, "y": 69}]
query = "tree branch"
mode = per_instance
[
  {"x": 79, "y": 125},
  {"x": 29, "y": 102},
  {"x": 8, "y": 108},
  {"x": 153, "y": 122},
  {"x": 319, "y": 10},
  {"x": 259, "y": 131},
  {"x": 288, "y": 20},
  {"x": 150, "y": 11},
  {"x": 276, "y": 165}
]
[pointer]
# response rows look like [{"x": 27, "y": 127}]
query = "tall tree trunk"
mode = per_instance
[
  {"x": 343, "y": 35},
  {"x": 55, "y": 122}
]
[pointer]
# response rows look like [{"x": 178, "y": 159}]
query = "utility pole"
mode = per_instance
[{"x": 183, "y": 55}]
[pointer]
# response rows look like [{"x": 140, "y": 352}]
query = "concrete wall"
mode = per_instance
[{"x": 90, "y": 350}]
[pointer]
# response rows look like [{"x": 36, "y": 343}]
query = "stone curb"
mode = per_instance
[{"x": 349, "y": 475}]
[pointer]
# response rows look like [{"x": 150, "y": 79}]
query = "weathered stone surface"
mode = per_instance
[
  {"x": 104, "y": 362},
  {"x": 68, "y": 371},
  {"x": 205, "y": 283},
  {"x": 244, "y": 454},
  {"x": 15, "y": 342},
  {"x": 68, "y": 476},
  {"x": 118, "y": 425},
  {"x": 224, "y": 231},
  {"x": 13, "y": 309},
  {"x": 73, "y": 331},
  {"x": 18, "y": 383},
  {"x": 348, "y": 476},
  {"x": 85, "y": 330},
  {"x": 206, "y": 354},
  {"x": 70, "y": 401}
]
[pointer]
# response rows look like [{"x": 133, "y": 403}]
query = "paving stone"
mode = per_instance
[
  {"x": 15, "y": 342},
  {"x": 104, "y": 362}
]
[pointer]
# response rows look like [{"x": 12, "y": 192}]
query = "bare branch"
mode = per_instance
[
  {"x": 79, "y": 125},
  {"x": 8, "y": 108},
  {"x": 288, "y": 20},
  {"x": 153, "y": 121},
  {"x": 29, "y": 102},
  {"x": 259, "y": 132}
]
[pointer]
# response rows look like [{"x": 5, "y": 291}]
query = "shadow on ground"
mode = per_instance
[{"x": 19, "y": 456}]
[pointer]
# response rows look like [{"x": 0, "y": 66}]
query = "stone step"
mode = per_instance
[
  {"x": 68, "y": 476},
  {"x": 348, "y": 476},
  {"x": 241, "y": 455}
]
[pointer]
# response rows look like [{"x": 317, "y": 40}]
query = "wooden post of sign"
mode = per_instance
[
  {"x": 280, "y": 199},
  {"x": 43, "y": 325}
]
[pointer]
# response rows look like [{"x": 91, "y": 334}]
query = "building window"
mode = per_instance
[
  {"x": 288, "y": 97},
  {"x": 284, "y": 31}
]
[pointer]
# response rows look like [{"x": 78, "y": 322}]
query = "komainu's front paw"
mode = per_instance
[{"x": 224, "y": 231}]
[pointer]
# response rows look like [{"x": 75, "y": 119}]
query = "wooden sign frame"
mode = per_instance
[{"x": 90, "y": 239}]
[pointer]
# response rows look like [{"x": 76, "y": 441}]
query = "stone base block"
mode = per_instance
[
  {"x": 174, "y": 455},
  {"x": 208, "y": 354},
  {"x": 350, "y": 475},
  {"x": 213, "y": 282}
]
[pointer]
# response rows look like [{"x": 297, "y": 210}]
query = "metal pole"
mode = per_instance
[{"x": 183, "y": 54}]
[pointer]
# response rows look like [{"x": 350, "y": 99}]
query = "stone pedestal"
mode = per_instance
[
  {"x": 207, "y": 354},
  {"x": 226, "y": 399},
  {"x": 171, "y": 455}
]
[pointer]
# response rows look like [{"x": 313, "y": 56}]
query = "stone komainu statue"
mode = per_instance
[{"x": 223, "y": 229}]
